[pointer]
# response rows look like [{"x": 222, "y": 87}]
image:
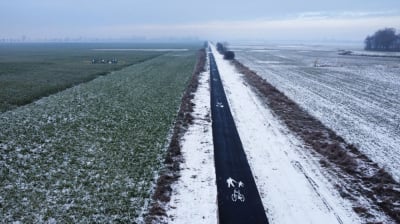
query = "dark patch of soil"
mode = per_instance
[
  {"x": 380, "y": 188},
  {"x": 163, "y": 190}
]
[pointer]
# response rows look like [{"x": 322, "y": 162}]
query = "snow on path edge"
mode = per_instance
[{"x": 194, "y": 195}]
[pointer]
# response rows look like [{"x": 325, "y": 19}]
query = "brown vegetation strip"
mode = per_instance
[
  {"x": 380, "y": 187},
  {"x": 163, "y": 190}
]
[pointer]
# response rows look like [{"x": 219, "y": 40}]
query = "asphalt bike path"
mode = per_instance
[{"x": 239, "y": 201}]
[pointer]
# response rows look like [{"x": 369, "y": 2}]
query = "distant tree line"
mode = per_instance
[
  {"x": 383, "y": 40},
  {"x": 222, "y": 49}
]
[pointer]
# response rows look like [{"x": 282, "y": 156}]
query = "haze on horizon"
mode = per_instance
[{"x": 229, "y": 20}]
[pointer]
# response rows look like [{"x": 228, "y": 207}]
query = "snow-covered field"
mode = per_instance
[
  {"x": 376, "y": 53},
  {"x": 293, "y": 187},
  {"x": 358, "y": 97}
]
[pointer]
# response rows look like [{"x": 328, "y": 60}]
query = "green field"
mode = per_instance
[
  {"x": 31, "y": 71},
  {"x": 90, "y": 153}
]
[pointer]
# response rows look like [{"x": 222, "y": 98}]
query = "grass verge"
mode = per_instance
[{"x": 29, "y": 72}]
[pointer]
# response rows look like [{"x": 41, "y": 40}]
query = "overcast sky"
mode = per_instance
[{"x": 206, "y": 19}]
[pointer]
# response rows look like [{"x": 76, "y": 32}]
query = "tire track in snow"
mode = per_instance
[{"x": 315, "y": 187}]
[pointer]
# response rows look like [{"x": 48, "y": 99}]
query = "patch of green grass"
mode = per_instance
[
  {"x": 90, "y": 153},
  {"x": 31, "y": 71}
]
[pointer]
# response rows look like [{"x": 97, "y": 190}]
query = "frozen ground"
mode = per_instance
[
  {"x": 358, "y": 97},
  {"x": 293, "y": 187},
  {"x": 194, "y": 195}
]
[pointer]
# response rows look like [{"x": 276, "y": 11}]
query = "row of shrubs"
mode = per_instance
[{"x": 222, "y": 49}]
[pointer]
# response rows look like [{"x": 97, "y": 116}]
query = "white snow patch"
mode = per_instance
[
  {"x": 292, "y": 185},
  {"x": 268, "y": 62},
  {"x": 376, "y": 53},
  {"x": 194, "y": 196},
  {"x": 264, "y": 50}
]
